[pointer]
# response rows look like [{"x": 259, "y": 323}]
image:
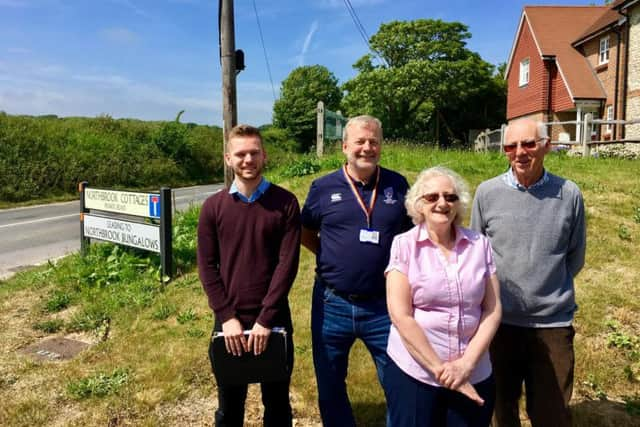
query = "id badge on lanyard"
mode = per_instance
[{"x": 367, "y": 235}]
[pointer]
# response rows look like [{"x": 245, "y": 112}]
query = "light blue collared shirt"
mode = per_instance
[
  {"x": 509, "y": 178},
  {"x": 259, "y": 191}
]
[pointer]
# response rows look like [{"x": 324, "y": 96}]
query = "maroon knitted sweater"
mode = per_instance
[{"x": 248, "y": 256}]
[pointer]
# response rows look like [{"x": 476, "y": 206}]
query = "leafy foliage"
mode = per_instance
[
  {"x": 295, "y": 111},
  {"x": 184, "y": 238},
  {"x": 49, "y": 326},
  {"x": 49, "y": 156},
  {"x": 425, "y": 83},
  {"x": 98, "y": 385},
  {"x": 303, "y": 167},
  {"x": 163, "y": 311},
  {"x": 57, "y": 301},
  {"x": 187, "y": 316}
]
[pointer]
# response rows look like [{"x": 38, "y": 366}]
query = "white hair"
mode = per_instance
[
  {"x": 361, "y": 120},
  {"x": 413, "y": 200}
]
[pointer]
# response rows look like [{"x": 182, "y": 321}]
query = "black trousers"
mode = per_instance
[{"x": 275, "y": 398}]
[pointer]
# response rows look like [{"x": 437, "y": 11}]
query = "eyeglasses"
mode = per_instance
[
  {"x": 527, "y": 144},
  {"x": 434, "y": 197}
]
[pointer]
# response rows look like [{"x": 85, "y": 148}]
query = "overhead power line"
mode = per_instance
[
  {"x": 361, "y": 30},
  {"x": 264, "y": 49}
]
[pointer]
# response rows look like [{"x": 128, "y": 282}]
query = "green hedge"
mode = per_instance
[{"x": 47, "y": 156}]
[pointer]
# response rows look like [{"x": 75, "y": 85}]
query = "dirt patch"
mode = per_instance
[{"x": 199, "y": 411}]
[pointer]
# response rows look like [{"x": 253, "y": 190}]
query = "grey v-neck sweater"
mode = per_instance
[{"x": 538, "y": 238}]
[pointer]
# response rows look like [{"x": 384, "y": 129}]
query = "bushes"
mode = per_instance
[{"x": 47, "y": 156}]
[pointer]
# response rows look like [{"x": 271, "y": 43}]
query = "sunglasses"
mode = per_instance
[
  {"x": 528, "y": 144},
  {"x": 434, "y": 197}
]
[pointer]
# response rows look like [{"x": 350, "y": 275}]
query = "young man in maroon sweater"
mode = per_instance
[{"x": 248, "y": 251}]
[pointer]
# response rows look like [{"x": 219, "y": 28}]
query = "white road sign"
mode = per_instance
[
  {"x": 126, "y": 202},
  {"x": 133, "y": 234}
]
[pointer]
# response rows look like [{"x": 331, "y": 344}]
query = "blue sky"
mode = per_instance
[{"x": 149, "y": 59}]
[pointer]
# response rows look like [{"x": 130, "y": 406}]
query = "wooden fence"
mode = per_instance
[{"x": 494, "y": 139}]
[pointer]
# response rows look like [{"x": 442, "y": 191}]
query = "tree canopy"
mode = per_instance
[
  {"x": 423, "y": 82},
  {"x": 299, "y": 96}
]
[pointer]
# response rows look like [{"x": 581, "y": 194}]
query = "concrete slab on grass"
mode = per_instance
[{"x": 54, "y": 349}]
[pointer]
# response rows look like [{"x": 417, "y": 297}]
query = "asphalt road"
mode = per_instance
[{"x": 32, "y": 235}]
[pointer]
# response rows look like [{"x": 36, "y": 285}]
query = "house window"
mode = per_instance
[
  {"x": 603, "y": 58},
  {"x": 524, "y": 72},
  {"x": 609, "y": 115}
]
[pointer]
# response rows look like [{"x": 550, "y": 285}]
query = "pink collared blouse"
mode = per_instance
[{"x": 447, "y": 296}]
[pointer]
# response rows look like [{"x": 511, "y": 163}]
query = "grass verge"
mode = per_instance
[{"x": 149, "y": 366}]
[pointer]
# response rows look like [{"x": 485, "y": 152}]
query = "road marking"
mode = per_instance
[
  {"x": 198, "y": 195},
  {"x": 33, "y": 221}
]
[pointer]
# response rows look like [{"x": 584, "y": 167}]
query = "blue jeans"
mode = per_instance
[{"x": 335, "y": 324}]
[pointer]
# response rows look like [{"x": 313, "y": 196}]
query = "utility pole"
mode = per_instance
[{"x": 228, "y": 60}]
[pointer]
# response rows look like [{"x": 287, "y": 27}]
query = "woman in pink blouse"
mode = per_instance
[{"x": 444, "y": 303}]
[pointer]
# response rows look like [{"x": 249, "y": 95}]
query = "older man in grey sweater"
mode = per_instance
[{"x": 535, "y": 222}]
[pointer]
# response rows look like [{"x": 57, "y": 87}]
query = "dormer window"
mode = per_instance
[
  {"x": 524, "y": 72},
  {"x": 603, "y": 56}
]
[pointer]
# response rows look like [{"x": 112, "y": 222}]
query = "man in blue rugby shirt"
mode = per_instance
[{"x": 348, "y": 221}]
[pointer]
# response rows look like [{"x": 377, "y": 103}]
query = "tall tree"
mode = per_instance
[
  {"x": 299, "y": 96},
  {"x": 421, "y": 77}
]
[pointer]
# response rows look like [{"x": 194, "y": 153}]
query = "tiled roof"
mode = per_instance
[
  {"x": 555, "y": 28},
  {"x": 610, "y": 17}
]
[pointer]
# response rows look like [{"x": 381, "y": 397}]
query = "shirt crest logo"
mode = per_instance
[
  {"x": 388, "y": 196},
  {"x": 336, "y": 197}
]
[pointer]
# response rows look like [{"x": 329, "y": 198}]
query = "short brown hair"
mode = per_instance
[{"x": 244, "y": 130}]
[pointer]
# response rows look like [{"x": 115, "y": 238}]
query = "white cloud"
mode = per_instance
[
  {"x": 39, "y": 88},
  {"x": 307, "y": 42},
  {"x": 355, "y": 3},
  {"x": 111, "y": 80},
  {"x": 14, "y": 3},
  {"x": 18, "y": 50},
  {"x": 119, "y": 35},
  {"x": 131, "y": 6},
  {"x": 50, "y": 70}
]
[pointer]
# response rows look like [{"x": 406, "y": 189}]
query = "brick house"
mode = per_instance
[
  {"x": 630, "y": 10},
  {"x": 567, "y": 61}
]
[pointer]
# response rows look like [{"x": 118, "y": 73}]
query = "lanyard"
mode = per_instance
[{"x": 367, "y": 210}]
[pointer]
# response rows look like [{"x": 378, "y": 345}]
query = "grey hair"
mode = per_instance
[
  {"x": 361, "y": 120},
  {"x": 541, "y": 128},
  {"x": 413, "y": 202}
]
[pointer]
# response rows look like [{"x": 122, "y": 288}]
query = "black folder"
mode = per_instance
[{"x": 269, "y": 366}]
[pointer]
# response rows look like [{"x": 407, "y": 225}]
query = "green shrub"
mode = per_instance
[
  {"x": 187, "y": 316},
  {"x": 47, "y": 156},
  {"x": 49, "y": 326},
  {"x": 57, "y": 301},
  {"x": 98, "y": 385},
  {"x": 163, "y": 311},
  {"x": 90, "y": 318},
  {"x": 301, "y": 168}
]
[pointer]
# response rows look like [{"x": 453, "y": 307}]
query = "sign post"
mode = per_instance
[
  {"x": 329, "y": 127},
  {"x": 84, "y": 242},
  {"x": 121, "y": 229},
  {"x": 166, "y": 233},
  {"x": 320, "y": 130}
]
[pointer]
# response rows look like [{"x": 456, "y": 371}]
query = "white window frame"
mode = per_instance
[
  {"x": 603, "y": 52},
  {"x": 609, "y": 115},
  {"x": 524, "y": 72}
]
